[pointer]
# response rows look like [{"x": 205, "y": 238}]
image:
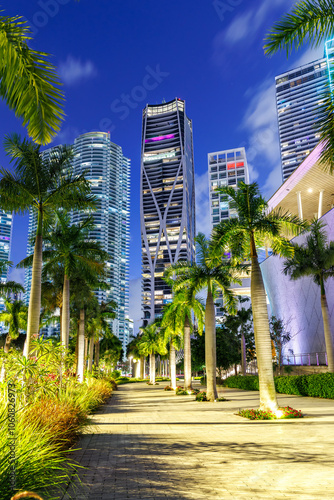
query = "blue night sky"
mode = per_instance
[{"x": 210, "y": 56}]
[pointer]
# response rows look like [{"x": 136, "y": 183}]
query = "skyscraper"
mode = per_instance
[
  {"x": 108, "y": 171},
  {"x": 298, "y": 94},
  {"x": 226, "y": 168},
  {"x": 167, "y": 204},
  {"x": 6, "y": 226}
]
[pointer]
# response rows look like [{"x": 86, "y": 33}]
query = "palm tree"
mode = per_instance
[
  {"x": 243, "y": 235},
  {"x": 180, "y": 311},
  {"x": 316, "y": 259},
  {"x": 210, "y": 272},
  {"x": 150, "y": 343},
  {"x": 311, "y": 21},
  {"x": 42, "y": 184},
  {"x": 172, "y": 330},
  {"x": 105, "y": 313},
  {"x": 71, "y": 248},
  {"x": 15, "y": 317},
  {"x": 29, "y": 83}
]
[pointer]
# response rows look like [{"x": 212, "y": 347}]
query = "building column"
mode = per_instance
[
  {"x": 299, "y": 203},
  {"x": 321, "y": 196}
]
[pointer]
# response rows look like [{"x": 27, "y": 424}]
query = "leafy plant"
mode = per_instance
[
  {"x": 281, "y": 413},
  {"x": 201, "y": 396}
]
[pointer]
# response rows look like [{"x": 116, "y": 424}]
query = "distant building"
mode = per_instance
[
  {"x": 298, "y": 94},
  {"x": 226, "y": 168},
  {"x": 167, "y": 205},
  {"x": 6, "y": 226},
  {"x": 108, "y": 171}
]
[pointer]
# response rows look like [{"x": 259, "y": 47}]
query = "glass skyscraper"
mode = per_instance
[
  {"x": 108, "y": 171},
  {"x": 298, "y": 94},
  {"x": 167, "y": 204},
  {"x": 6, "y": 220}
]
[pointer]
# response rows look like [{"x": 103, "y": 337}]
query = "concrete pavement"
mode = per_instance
[{"x": 147, "y": 443}]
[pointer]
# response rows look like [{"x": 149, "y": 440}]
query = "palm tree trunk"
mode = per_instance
[
  {"x": 97, "y": 353},
  {"x": 210, "y": 347},
  {"x": 81, "y": 346},
  {"x": 268, "y": 399},
  {"x": 152, "y": 368},
  {"x": 142, "y": 367},
  {"x": 90, "y": 354},
  {"x": 243, "y": 354},
  {"x": 86, "y": 351},
  {"x": 327, "y": 330},
  {"x": 187, "y": 356},
  {"x": 7, "y": 344},
  {"x": 66, "y": 312},
  {"x": 60, "y": 321},
  {"x": 172, "y": 367},
  {"x": 34, "y": 310}
]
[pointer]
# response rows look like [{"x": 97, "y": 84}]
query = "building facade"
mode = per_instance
[
  {"x": 167, "y": 204},
  {"x": 299, "y": 92},
  {"x": 226, "y": 168},
  {"x": 108, "y": 170}
]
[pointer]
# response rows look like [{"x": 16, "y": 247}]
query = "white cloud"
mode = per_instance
[
  {"x": 73, "y": 71},
  {"x": 240, "y": 28},
  {"x": 16, "y": 274},
  {"x": 308, "y": 56},
  {"x": 203, "y": 224},
  {"x": 273, "y": 182},
  {"x": 135, "y": 311}
]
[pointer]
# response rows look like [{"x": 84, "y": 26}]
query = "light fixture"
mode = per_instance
[{"x": 310, "y": 190}]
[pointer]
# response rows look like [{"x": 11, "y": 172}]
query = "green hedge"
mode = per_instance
[{"x": 318, "y": 385}]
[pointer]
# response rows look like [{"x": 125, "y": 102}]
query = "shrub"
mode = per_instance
[
  {"x": 63, "y": 419},
  {"x": 180, "y": 391},
  {"x": 116, "y": 374},
  {"x": 317, "y": 385},
  {"x": 168, "y": 388},
  {"x": 201, "y": 396},
  {"x": 40, "y": 464},
  {"x": 287, "y": 412}
]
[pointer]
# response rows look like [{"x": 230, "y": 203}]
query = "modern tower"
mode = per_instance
[
  {"x": 226, "y": 168},
  {"x": 108, "y": 171},
  {"x": 299, "y": 92},
  {"x": 6, "y": 220},
  {"x": 167, "y": 203}
]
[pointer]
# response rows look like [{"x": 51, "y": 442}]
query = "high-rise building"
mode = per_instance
[
  {"x": 108, "y": 171},
  {"x": 226, "y": 168},
  {"x": 6, "y": 226},
  {"x": 167, "y": 204},
  {"x": 299, "y": 92}
]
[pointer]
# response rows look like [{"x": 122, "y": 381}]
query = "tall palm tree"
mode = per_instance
[
  {"x": 43, "y": 185},
  {"x": 150, "y": 343},
  {"x": 243, "y": 235},
  {"x": 181, "y": 311},
  {"x": 311, "y": 21},
  {"x": 210, "y": 272},
  {"x": 316, "y": 259},
  {"x": 15, "y": 317},
  {"x": 28, "y": 82},
  {"x": 71, "y": 247},
  {"x": 172, "y": 330}
]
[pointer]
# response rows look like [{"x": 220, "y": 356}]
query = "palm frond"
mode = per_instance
[
  {"x": 28, "y": 82},
  {"x": 310, "y": 21}
]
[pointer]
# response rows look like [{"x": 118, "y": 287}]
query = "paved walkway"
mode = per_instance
[{"x": 148, "y": 443}]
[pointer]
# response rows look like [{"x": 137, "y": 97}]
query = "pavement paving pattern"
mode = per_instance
[{"x": 149, "y": 444}]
